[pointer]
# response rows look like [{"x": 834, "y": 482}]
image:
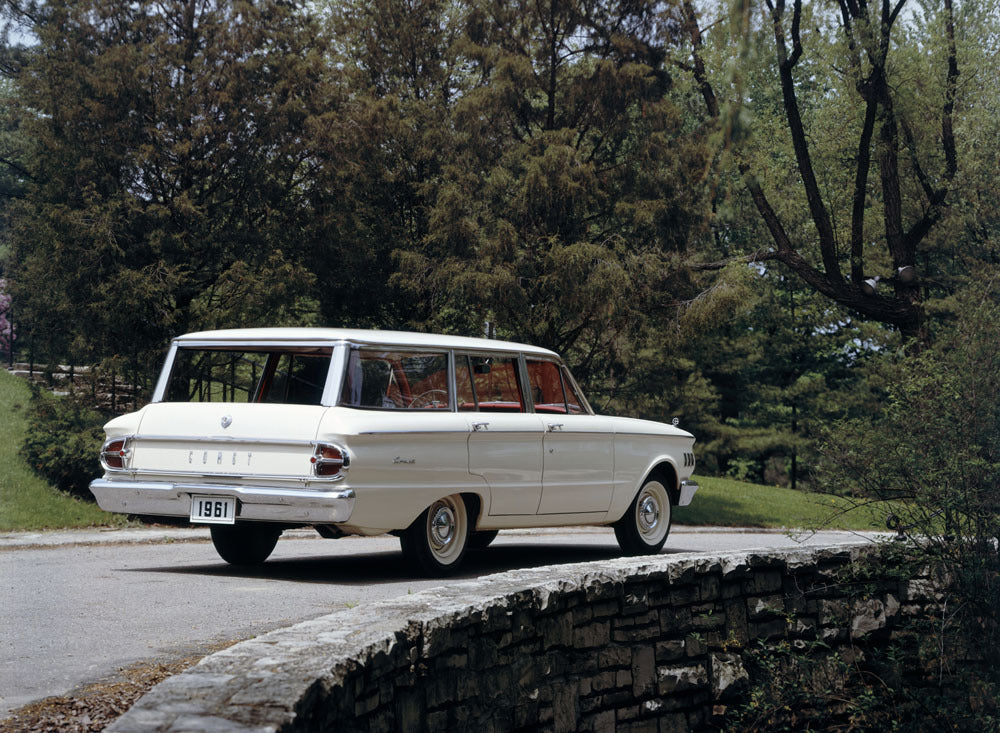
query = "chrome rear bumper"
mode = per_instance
[{"x": 257, "y": 503}]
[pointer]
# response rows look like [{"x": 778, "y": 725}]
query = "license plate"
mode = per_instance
[{"x": 213, "y": 509}]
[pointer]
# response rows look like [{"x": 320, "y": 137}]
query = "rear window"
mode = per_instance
[
  {"x": 396, "y": 380},
  {"x": 283, "y": 376}
]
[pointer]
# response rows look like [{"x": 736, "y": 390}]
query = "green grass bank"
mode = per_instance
[
  {"x": 28, "y": 502},
  {"x": 727, "y": 503}
]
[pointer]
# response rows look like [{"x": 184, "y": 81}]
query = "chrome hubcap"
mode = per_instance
[
  {"x": 442, "y": 528},
  {"x": 649, "y": 514}
]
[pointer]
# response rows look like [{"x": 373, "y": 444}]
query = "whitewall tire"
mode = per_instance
[
  {"x": 437, "y": 540},
  {"x": 644, "y": 528}
]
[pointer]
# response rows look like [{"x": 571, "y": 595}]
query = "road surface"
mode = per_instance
[{"x": 72, "y": 614}]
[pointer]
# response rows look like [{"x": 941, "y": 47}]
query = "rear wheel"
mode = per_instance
[
  {"x": 244, "y": 544},
  {"x": 644, "y": 528},
  {"x": 437, "y": 540}
]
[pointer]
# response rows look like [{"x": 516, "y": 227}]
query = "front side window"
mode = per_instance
[
  {"x": 465, "y": 384},
  {"x": 546, "y": 387},
  {"x": 396, "y": 380},
  {"x": 576, "y": 403},
  {"x": 283, "y": 376},
  {"x": 497, "y": 387}
]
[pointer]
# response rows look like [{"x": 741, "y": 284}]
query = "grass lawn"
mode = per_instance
[
  {"x": 28, "y": 502},
  {"x": 727, "y": 503}
]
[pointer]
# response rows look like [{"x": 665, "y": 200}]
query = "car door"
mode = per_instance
[
  {"x": 505, "y": 440},
  {"x": 577, "y": 449}
]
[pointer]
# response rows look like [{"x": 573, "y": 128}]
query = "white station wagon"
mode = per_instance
[{"x": 440, "y": 440}]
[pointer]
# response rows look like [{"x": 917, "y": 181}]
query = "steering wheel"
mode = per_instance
[{"x": 430, "y": 397}]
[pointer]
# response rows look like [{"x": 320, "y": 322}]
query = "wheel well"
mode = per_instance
[
  {"x": 666, "y": 475},
  {"x": 473, "y": 505}
]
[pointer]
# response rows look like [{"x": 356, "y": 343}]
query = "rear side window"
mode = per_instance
[{"x": 396, "y": 380}]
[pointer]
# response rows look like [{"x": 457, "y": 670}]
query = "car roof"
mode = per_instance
[{"x": 278, "y": 336}]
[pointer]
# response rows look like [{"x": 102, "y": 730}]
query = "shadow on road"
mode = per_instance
[{"x": 391, "y": 567}]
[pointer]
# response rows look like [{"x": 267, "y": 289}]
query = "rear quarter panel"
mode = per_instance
[{"x": 401, "y": 462}]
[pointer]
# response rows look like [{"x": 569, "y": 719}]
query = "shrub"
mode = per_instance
[
  {"x": 934, "y": 451},
  {"x": 63, "y": 439}
]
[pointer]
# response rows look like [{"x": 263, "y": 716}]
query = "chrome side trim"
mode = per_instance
[
  {"x": 414, "y": 432},
  {"x": 301, "y": 479},
  {"x": 219, "y": 439},
  {"x": 249, "y": 344}
]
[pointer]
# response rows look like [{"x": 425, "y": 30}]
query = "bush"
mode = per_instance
[
  {"x": 934, "y": 450},
  {"x": 63, "y": 440}
]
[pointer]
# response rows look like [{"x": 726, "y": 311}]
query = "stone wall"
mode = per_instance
[{"x": 650, "y": 644}]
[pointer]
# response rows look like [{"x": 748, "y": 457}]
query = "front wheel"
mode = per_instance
[
  {"x": 244, "y": 544},
  {"x": 437, "y": 540},
  {"x": 646, "y": 524}
]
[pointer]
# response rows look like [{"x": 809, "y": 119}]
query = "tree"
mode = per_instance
[
  {"x": 570, "y": 186},
  {"x": 397, "y": 79},
  {"x": 861, "y": 64},
  {"x": 169, "y": 189}
]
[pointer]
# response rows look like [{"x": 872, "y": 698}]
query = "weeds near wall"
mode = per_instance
[{"x": 933, "y": 451}]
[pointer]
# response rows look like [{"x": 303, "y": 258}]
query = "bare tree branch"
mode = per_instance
[
  {"x": 817, "y": 209},
  {"x": 860, "y": 193},
  {"x": 947, "y": 132},
  {"x": 707, "y": 93},
  {"x": 17, "y": 167}
]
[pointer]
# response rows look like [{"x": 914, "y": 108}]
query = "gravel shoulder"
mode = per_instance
[{"x": 93, "y": 707}]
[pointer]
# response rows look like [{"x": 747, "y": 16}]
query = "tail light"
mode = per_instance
[
  {"x": 115, "y": 453},
  {"x": 330, "y": 461}
]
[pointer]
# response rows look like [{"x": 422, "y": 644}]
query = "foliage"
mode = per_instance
[
  {"x": 62, "y": 441},
  {"x": 935, "y": 446},
  {"x": 550, "y": 173},
  {"x": 28, "y": 502},
  {"x": 168, "y": 175},
  {"x": 539, "y": 195}
]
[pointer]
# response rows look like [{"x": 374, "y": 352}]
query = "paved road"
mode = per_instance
[{"x": 86, "y": 604}]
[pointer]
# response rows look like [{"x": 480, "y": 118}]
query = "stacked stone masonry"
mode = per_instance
[{"x": 624, "y": 645}]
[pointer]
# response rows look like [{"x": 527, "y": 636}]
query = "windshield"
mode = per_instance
[{"x": 294, "y": 376}]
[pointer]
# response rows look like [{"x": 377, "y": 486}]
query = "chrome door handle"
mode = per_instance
[
  {"x": 554, "y": 426},
  {"x": 479, "y": 426}
]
